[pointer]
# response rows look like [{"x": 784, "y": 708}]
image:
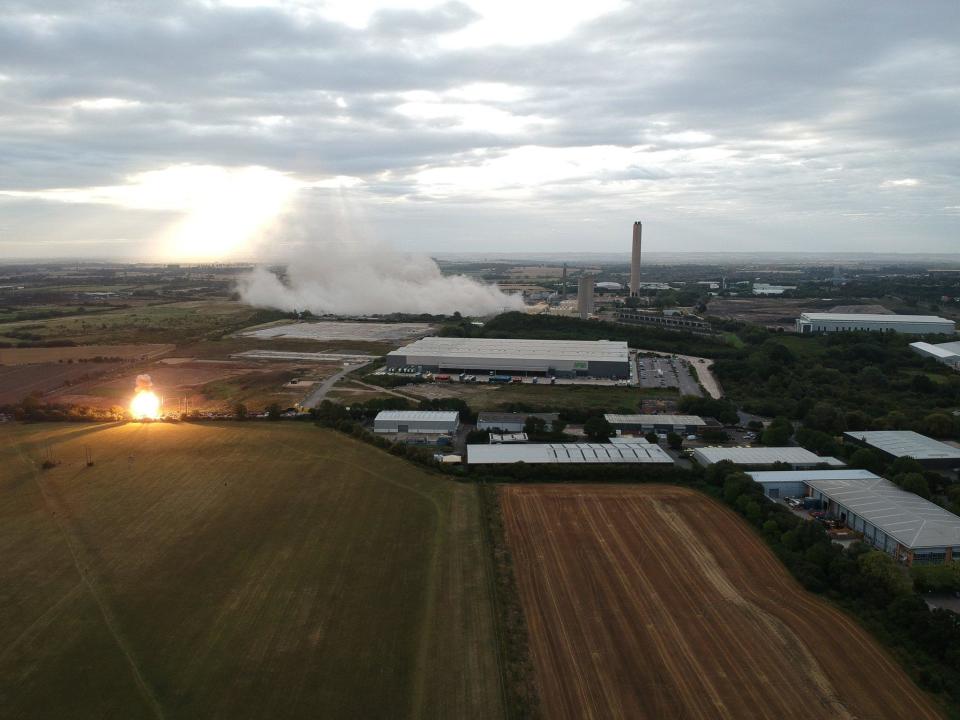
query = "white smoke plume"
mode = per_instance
[{"x": 329, "y": 274}]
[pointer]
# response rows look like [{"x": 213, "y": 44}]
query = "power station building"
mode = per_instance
[
  {"x": 560, "y": 358},
  {"x": 809, "y": 323}
]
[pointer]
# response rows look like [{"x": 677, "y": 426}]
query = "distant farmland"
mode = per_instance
[
  {"x": 657, "y": 602},
  {"x": 237, "y": 571}
]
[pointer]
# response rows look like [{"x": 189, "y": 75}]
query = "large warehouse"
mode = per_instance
[
  {"x": 846, "y": 322},
  {"x": 893, "y": 444},
  {"x": 778, "y": 484},
  {"x": 797, "y": 458},
  {"x": 561, "y": 358},
  {"x": 912, "y": 529},
  {"x": 946, "y": 353},
  {"x": 429, "y": 422},
  {"x": 620, "y": 452},
  {"x": 682, "y": 424}
]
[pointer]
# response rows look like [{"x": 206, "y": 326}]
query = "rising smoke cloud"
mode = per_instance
[
  {"x": 328, "y": 273},
  {"x": 144, "y": 382}
]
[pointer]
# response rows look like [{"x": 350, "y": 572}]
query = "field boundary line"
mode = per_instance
[{"x": 105, "y": 611}]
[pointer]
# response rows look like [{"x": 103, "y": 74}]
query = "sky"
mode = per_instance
[{"x": 226, "y": 129}]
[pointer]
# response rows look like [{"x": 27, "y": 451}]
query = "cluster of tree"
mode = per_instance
[
  {"x": 842, "y": 381},
  {"x": 33, "y": 408},
  {"x": 556, "y": 327},
  {"x": 867, "y": 582},
  {"x": 722, "y": 409}
]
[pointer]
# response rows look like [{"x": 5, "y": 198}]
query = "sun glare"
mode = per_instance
[{"x": 145, "y": 405}]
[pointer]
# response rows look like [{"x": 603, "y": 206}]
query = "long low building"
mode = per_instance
[
  {"x": 946, "y": 353},
  {"x": 778, "y": 484},
  {"x": 913, "y": 530},
  {"x": 797, "y": 458},
  {"x": 429, "y": 422},
  {"x": 893, "y": 444},
  {"x": 561, "y": 358},
  {"x": 847, "y": 322},
  {"x": 683, "y": 424},
  {"x": 636, "y": 452}
]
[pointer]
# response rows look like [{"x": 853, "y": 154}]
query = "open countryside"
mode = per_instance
[
  {"x": 657, "y": 602},
  {"x": 237, "y": 571}
]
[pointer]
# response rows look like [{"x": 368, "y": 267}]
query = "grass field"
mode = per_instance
[
  {"x": 166, "y": 323},
  {"x": 30, "y": 356},
  {"x": 482, "y": 396},
  {"x": 241, "y": 570},
  {"x": 657, "y": 602}
]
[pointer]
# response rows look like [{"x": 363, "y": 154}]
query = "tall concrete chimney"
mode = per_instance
[
  {"x": 585, "y": 296},
  {"x": 635, "y": 260}
]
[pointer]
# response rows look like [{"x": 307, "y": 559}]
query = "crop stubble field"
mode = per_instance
[
  {"x": 237, "y": 571},
  {"x": 657, "y": 602}
]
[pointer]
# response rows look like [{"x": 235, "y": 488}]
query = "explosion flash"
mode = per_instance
[{"x": 145, "y": 404}]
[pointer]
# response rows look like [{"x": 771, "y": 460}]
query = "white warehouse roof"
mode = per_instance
[
  {"x": 902, "y": 443},
  {"x": 762, "y": 456},
  {"x": 875, "y": 317},
  {"x": 655, "y": 420},
  {"x": 774, "y": 476},
  {"x": 498, "y": 348},
  {"x": 538, "y": 453},
  {"x": 911, "y": 520},
  {"x": 942, "y": 351},
  {"x": 413, "y": 416}
]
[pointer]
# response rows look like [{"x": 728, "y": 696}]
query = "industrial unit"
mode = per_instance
[
  {"x": 913, "y": 530},
  {"x": 847, "y": 322},
  {"x": 634, "y": 452},
  {"x": 682, "y": 424},
  {"x": 778, "y": 484},
  {"x": 430, "y": 422},
  {"x": 797, "y": 458},
  {"x": 511, "y": 422},
  {"x": 893, "y": 444},
  {"x": 946, "y": 353},
  {"x": 562, "y": 358}
]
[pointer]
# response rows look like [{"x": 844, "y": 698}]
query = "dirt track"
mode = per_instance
[{"x": 657, "y": 602}]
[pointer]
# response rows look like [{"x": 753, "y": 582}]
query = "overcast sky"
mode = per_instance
[{"x": 200, "y": 128}]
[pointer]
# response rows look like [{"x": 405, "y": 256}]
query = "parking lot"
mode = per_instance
[{"x": 667, "y": 372}]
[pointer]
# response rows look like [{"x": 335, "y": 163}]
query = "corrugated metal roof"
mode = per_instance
[
  {"x": 514, "y": 417},
  {"x": 615, "y": 419},
  {"x": 942, "y": 350},
  {"x": 770, "y": 476},
  {"x": 913, "y": 521},
  {"x": 585, "y": 350},
  {"x": 417, "y": 415},
  {"x": 542, "y": 453},
  {"x": 762, "y": 456},
  {"x": 874, "y": 317},
  {"x": 902, "y": 443}
]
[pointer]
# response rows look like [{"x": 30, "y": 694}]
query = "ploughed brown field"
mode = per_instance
[{"x": 657, "y": 602}]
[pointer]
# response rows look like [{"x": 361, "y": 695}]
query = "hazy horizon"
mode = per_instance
[{"x": 218, "y": 129}]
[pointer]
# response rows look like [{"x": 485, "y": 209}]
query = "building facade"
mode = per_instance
[
  {"x": 417, "y": 422},
  {"x": 559, "y": 358},
  {"x": 681, "y": 424},
  {"x": 809, "y": 323}
]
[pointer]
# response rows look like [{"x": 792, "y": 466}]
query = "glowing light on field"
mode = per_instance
[{"x": 145, "y": 406}]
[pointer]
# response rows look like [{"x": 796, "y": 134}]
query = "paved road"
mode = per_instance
[{"x": 316, "y": 396}]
